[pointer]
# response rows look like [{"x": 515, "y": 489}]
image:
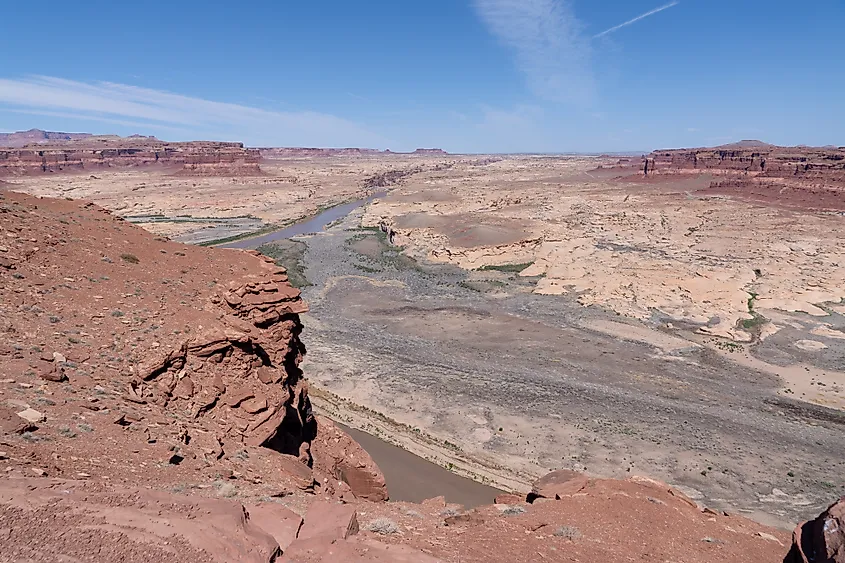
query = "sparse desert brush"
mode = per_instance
[
  {"x": 568, "y": 532},
  {"x": 130, "y": 258},
  {"x": 225, "y": 490},
  {"x": 383, "y": 526},
  {"x": 513, "y": 510}
]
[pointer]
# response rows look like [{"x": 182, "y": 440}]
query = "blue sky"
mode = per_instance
[{"x": 463, "y": 75}]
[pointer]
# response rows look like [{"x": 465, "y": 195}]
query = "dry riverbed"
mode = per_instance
[{"x": 482, "y": 374}]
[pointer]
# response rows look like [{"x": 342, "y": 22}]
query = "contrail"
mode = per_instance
[{"x": 638, "y": 18}]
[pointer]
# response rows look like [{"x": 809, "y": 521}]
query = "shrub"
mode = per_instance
[
  {"x": 226, "y": 490},
  {"x": 568, "y": 532},
  {"x": 131, "y": 258},
  {"x": 383, "y": 526}
]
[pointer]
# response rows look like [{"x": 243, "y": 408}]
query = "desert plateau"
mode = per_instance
[
  {"x": 456, "y": 281},
  {"x": 214, "y": 352}
]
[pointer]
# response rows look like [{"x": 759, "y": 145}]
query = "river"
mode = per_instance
[
  {"x": 313, "y": 225},
  {"x": 411, "y": 478}
]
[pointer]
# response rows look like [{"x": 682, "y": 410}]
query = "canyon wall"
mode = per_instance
[
  {"x": 194, "y": 158},
  {"x": 803, "y": 177}
]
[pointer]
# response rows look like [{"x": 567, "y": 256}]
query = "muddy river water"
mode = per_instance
[
  {"x": 413, "y": 479},
  {"x": 313, "y": 225}
]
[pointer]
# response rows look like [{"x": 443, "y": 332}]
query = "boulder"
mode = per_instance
[
  {"x": 158, "y": 362},
  {"x": 557, "y": 484},
  {"x": 11, "y": 423},
  {"x": 55, "y": 373},
  {"x": 290, "y": 466},
  {"x": 338, "y": 454},
  {"x": 362, "y": 480},
  {"x": 32, "y": 416},
  {"x": 184, "y": 388},
  {"x": 821, "y": 540},
  {"x": 329, "y": 521},
  {"x": 508, "y": 498},
  {"x": 276, "y": 520}
]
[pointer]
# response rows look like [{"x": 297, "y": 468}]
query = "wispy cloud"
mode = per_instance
[
  {"x": 549, "y": 45},
  {"x": 140, "y": 125},
  {"x": 121, "y": 103},
  {"x": 636, "y": 19}
]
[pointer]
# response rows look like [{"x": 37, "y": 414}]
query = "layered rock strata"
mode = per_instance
[
  {"x": 192, "y": 158},
  {"x": 805, "y": 177}
]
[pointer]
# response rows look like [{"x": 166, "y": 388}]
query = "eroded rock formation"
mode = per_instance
[
  {"x": 805, "y": 177},
  {"x": 192, "y": 158},
  {"x": 188, "y": 368}
]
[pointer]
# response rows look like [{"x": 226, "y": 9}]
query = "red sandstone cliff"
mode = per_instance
[
  {"x": 804, "y": 177},
  {"x": 196, "y": 158}
]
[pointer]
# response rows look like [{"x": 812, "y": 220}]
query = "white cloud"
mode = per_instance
[
  {"x": 85, "y": 117},
  {"x": 636, "y": 19},
  {"x": 549, "y": 45},
  {"x": 503, "y": 120},
  {"x": 110, "y": 102}
]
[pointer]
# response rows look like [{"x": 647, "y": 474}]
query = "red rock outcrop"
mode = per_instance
[
  {"x": 803, "y": 177},
  {"x": 557, "y": 484},
  {"x": 598, "y": 521},
  {"x": 197, "y": 370},
  {"x": 37, "y": 136},
  {"x": 73, "y": 520},
  {"x": 336, "y": 454},
  {"x": 821, "y": 540},
  {"x": 193, "y": 158},
  {"x": 44, "y": 519}
]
